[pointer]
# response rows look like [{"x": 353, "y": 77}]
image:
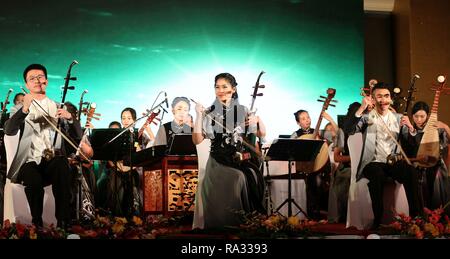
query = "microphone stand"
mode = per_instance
[{"x": 268, "y": 180}]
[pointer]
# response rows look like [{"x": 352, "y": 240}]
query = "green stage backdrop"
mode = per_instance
[{"x": 129, "y": 51}]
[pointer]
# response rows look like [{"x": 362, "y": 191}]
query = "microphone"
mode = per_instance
[
  {"x": 10, "y": 90},
  {"x": 167, "y": 103},
  {"x": 74, "y": 62},
  {"x": 417, "y": 76},
  {"x": 85, "y": 91}
]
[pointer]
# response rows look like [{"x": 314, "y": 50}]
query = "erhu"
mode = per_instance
[
  {"x": 150, "y": 119},
  {"x": 81, "y": 104},
  {"x": 64, "y": 93},
  {"x": 252, "y": 130},
  {"x": 367, "y": 91},
  {"x": 207, "y": 114},
  {"x": 393, "y": 158},
  {"x": 90, "y": 114}
]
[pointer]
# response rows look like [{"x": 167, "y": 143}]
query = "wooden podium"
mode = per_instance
[{"x": 170, "y": 184}]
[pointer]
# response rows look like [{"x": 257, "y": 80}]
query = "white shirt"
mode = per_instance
[
  {"x": 43, "y": 133},
  {"x": 384, "y": 144}
]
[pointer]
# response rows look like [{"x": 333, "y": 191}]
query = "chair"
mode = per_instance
[
  {"x": 202, "y": 156},
  {"x": 333, "y": 212},
  {"x": 16, "y": 207},
  {"x": 359, "y": 210}
]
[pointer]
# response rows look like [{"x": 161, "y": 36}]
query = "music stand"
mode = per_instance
[
  {"x": 181, "y": 145},
  {"x": 303, "y": 150},
  {"x": 121, "y": 148},
  {"x": 114, "y": 151}
]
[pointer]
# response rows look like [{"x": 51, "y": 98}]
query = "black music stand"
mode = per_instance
[
  {"x": 181, "y": 145},
  {"x": 114, "y": 151},
  {"x": 303, "y": 150},
  {"x": 121, "y": 148}
]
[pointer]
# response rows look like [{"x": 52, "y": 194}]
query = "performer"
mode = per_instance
[
  {"x": 180, "y": 110},
  {"x": 316, "y": 186},
  {"x": 29, "y": 167},
  {"x": 230, "y": 186},
  {"x": 87, "y": 178},
  {"x": 434, "y": 181},
  {"x": 115, "y": 125},
  {"x": 124, "y": 194},
  {"x": 18, "y": 101},
  {"x": 378, "y": 144}
]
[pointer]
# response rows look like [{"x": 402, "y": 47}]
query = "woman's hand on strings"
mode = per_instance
[
  {"x": 252, "y": 120},
  {"x": 63, "y": 114},
  {"x": 405, "y": 121}
]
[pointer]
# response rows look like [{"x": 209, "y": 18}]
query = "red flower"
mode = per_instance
[
  {"x": 427, "y": 211},
  {"x": 20, "y": 228}
]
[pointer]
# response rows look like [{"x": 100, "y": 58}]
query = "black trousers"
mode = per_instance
[
  {"x": 403, "y": 173},
  {"x": 35, "y": 177}
]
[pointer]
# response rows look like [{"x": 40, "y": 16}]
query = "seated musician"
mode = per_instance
[
  {"x": 123, "y": 190},
  {"x": 316, "y": 190},
  {"x": 79, "y": 164},
  {"x": 18, "y": 101},
  {"x": 230, "y": 185},
  {"x": 179, "y": 125},
  {"x": 435, "y": 186},
  {"x": 38, "y": 163},
  {"x": 377, "y": 145}
]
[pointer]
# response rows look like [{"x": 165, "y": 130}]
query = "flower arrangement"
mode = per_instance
[
  {"x": 432, "y": 225},
  {"x": 103, "y": 227},
  {"x": 276, "y": 226},
  {"x": 21, "y": 231}
]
